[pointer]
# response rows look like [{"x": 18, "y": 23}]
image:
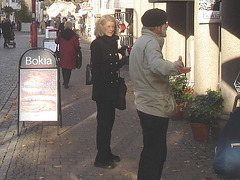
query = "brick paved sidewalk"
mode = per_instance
[{"x": 39, "y": 153}]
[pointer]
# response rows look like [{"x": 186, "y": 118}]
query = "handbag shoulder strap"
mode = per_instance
[
  {"x": 90, "y": 61},
  {"x": 78, "y": 49},
  {"x": 119, "y": 73},
  {"x": 57, "y": 46}
]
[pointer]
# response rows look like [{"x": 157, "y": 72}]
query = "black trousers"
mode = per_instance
[
  {"x": 66, "y": 75},
  {"x": 105, "y": 120},
  {"x": 154, "y": 152},
  {"x": 6, "y": 40}
]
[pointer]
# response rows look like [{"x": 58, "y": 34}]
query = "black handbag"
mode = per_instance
[
  {"x": 89, "y": 74},
  {"x": 121, "y": 101},
  {"x": 79, "y": 58}
]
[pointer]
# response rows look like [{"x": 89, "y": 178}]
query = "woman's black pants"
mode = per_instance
[
  {"x": 66, "y": 76},
  {"x": 105, "y": 120},
  {"x": 153, "y": 155}
]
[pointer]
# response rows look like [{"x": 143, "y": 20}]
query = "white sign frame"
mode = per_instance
[{"x": 50, "y": 45}]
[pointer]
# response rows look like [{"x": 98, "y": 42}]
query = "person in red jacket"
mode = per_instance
[{"x": 69, "y": 44}]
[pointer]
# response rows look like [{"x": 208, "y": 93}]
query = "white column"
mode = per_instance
[{"x": 206, "y": 57}]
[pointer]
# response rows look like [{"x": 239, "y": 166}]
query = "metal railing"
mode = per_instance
[{"x": 126, "y": 40}]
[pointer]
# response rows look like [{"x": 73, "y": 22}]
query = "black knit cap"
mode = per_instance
[{"x": 154, "y": 17}]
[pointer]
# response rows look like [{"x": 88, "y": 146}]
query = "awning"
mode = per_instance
[{"x": 156, "y": 1}]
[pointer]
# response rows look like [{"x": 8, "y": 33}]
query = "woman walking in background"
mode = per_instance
[
  {"x": 61, "y": 25},
  {"x": 68, "y": 46},
  {"x": 106, "y": 63},
  {"x": 42, "y": 26}
]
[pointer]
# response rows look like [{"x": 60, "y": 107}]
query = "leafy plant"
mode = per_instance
[
  {"x": 206, "y": 109},
  {"x": 179, "y": 88},
  {"x": 24, "y": 13},
  {"x": 8, "y": 10}
]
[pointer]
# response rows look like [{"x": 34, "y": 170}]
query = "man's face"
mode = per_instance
[{"x": 163, "y": 30}]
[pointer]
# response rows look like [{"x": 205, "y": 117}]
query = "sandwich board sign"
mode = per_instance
[{"x": 38, "y": 86}]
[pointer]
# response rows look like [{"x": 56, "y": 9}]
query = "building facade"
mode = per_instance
[{"x": 206, "y": 34}]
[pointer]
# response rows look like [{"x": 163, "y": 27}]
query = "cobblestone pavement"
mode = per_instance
[{"x": 39, "y": 153}]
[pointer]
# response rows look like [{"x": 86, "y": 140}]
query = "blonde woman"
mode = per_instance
[{"x": 106, "y": 63}]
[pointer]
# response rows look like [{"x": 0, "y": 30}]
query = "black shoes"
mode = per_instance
[
  {"x": 66, "y": 86},
  {"x": 105, "y": 165},
  {"x": 115, "y": 158},
  {"x": 109, "y": 164}
]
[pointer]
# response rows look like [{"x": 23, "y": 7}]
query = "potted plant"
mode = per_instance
[
  {"x": 204, "y": 111},
  {"x": 24, "y": 16},
  {"x": 8, "y": 10},
  {"x": 180, "y": 92}
]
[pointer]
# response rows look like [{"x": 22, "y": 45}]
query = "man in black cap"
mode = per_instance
[{"x": 154, "y": 100}]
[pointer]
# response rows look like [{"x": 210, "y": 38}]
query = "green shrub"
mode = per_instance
[
  {"x": 206, "y": 109},
  {"x": 24, "y": 14}
]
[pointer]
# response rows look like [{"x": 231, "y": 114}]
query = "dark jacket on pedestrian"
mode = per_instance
[
  {"x": 60, "y": 27},
  {"x": 6, "y": 29},
  {"x": 68, "y": 45},
  {"x": 105, "y": 67}
]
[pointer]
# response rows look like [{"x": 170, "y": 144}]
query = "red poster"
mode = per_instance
[{"x": 38, "y": 95}]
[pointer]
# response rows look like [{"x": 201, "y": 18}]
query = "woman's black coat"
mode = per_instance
[{"x": 105, "y": 67}]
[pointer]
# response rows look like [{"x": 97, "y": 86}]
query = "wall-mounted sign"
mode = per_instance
[
  {"x": 86, "y": 6},
  {"x": 209, "y": 11}
]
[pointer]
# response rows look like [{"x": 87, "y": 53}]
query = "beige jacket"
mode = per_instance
[{"x": 150, "y": 73}]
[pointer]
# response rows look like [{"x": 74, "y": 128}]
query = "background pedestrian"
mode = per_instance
[
  {"x": 42, "y": 26},
  {"x": 61, "y": 25},
  {"x": 58, "y": 22},
  {"x": 6, "y": 31},
  {"x": 69, "y": 44}
]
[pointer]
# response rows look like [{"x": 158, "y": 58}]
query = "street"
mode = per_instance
[{"x": 39, "y": 153}]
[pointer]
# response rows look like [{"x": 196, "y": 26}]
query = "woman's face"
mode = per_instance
[{"x": 108, "y": 28}]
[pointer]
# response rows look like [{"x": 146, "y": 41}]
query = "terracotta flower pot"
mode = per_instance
[
  {"x": 179, "y": 113},
  {"x": 200, "y": 131}
]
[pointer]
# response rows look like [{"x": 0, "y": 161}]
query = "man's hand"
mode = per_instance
[{"x": 181, "y": 67}]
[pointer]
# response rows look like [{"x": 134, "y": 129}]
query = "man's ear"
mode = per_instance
[{"x": 158, "y": 28}]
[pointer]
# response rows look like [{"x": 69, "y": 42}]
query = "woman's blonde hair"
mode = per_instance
[
  {"x": 68, "y": 25},
  {"x": 101, "y": 22}
]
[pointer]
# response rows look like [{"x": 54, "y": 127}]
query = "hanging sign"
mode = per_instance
[{"x": 86, "y": 6}]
